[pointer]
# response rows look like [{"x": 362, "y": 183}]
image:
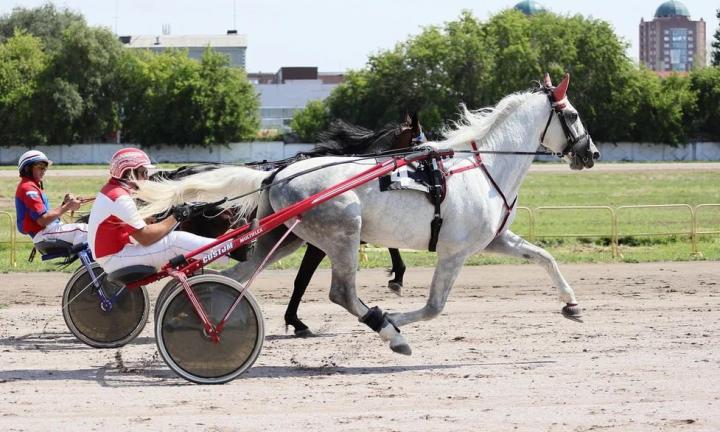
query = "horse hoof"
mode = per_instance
[
  {"x": 400, "y": 347},
  {"x": 572, "y": 311},
  {"x": 304, "y": 333},
  {"x": 395, "y": 287}
]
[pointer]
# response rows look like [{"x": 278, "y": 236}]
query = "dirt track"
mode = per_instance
[{"x": 500, "y": 358}]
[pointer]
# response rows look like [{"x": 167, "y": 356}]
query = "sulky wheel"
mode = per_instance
[
  {"x": 103, "y": 327},
  {"x": 170, "y": 286},
  {"x": 188, "y": 350}
]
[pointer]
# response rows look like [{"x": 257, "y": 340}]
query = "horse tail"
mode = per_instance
[{"x": 160, "y": 196}]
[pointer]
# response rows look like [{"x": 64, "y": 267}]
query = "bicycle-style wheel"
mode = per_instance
[
  {"x": 184, "y": 344},
  {"x": 98, "y": 328},
  {"x": 171, "y": 285}
]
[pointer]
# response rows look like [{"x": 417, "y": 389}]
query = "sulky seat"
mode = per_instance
[
  {"x": 131, "y": 274},
  {"x": 54, "y": 247}
]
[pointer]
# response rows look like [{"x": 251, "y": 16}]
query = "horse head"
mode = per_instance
[
  {"x": 567, "y": 135},
  {"x": 409, "y": 133}
]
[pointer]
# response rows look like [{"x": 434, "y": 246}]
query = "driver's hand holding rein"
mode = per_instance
[{"x": 118, "y": 236}]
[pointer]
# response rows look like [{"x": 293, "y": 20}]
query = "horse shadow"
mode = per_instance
[{"x": 55, "y": 341}]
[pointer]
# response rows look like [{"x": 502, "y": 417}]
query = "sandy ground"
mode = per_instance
[
  {"x": 538, "y": 167},
  {"x": 499, "y": 358}
]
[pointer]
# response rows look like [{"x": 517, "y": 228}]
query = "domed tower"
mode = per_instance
[
  {"x": 529, "y": 7},
  {"x": 671, "y": 41}
]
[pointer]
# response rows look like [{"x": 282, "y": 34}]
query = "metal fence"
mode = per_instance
[{"x": 615, "y": 225}]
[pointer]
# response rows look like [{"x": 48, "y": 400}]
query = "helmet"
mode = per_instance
[
  {"x": 31, "y": 157},
  {"x": 128, "y": 159}
]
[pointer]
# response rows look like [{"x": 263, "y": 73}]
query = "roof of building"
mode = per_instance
[
  {"x": 529, "y": 7},
  {"x": 188, "y": 41},
  {"x": 671, "y": 8}
]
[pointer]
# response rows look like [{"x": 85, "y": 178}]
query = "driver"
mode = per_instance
[
  {"x": 35, "y": 217},
  {"x": 118, "y": 236}
]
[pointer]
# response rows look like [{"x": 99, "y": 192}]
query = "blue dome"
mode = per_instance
[
  {"x": 529, "y": 7},
  {"x": 672, "y": 8}
]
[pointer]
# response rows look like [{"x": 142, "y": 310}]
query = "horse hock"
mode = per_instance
[{"x": 378, "y": 322}]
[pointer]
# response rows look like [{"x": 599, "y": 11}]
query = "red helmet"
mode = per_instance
[{"x": 128, "y": 159}]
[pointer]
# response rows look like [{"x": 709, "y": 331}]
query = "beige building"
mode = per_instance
[
  {"x": 672, "y": 42},
  {"x": 232, "y": 44}
]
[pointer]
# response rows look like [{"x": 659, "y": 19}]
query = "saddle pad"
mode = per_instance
[{"x": 404, "y": 178}]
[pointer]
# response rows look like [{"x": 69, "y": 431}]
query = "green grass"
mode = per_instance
[{"x": 586, "y": 188}]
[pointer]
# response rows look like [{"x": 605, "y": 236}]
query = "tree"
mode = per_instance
[
  {"x": 716, "y": 44},
  {"x": 78, "y": 101},
  {"x": 45, "y": 22},
  {"x": 227, "y": 102},
  {"x": 477, "y": 63},
  {"x": 21, "y": 62},
  {"x": 705, "y": 83},
  {"x": 309, "y": 121},
  {"x": 172, "y": 99}
]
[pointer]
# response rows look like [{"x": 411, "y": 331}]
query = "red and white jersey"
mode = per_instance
[{"x": 113, "y": 217}]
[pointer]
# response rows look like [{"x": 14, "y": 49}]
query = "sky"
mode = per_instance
[{"x": 336, "y": 35}]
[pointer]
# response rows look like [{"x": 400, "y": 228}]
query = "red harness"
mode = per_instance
[{"x": 478, "y": 163}]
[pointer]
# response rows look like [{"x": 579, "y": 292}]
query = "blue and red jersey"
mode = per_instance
[{"x": 30, "y": 203}]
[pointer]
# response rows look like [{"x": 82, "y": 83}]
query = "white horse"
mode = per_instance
[{"x": 478, "y": 207}]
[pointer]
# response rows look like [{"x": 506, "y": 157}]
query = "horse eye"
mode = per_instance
[{"x": 571, "y": 116}]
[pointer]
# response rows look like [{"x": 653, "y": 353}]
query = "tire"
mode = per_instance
[
  {"x": 97, "y": 328},
  {"x": 170, "y": 286},
  {"x": 186, "y": 349}
]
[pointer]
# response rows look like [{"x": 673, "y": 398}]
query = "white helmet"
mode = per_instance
[{"x": 31, "y": 157}]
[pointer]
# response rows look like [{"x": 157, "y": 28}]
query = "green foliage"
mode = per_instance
[
  {"x": 45, "y": 22},
  {"x": 477, "y": 63},
  {"x": 21, "y": 62},
  {"x": 715, "y": 60},
  {"x": 227, "y": 102},
  {"x": 80, "y": 84},
  {"x": 172, "y": 99},
  {"x": 79, "y": 98},
  {"x": 705, "y": 84},
  {"x": 661, "y": 107},
  {"x": 310, "y": 120}
]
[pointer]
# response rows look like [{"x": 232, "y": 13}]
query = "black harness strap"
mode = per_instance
[{"x": 436, "y": 196}]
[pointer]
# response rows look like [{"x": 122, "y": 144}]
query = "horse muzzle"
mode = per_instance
[{"x": 583, "y": 154}]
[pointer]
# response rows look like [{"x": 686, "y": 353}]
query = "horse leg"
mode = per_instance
[
  {"x": 446, "y": 271},
  {"x": 343, "y": 293},
  {"x": 310, "y": 262},
  {"x": 398, "y": 268},
  {"x": 512, "y": 244}
]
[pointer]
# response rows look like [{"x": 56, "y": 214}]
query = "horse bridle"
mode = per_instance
[{"x": 557, "y": 107}]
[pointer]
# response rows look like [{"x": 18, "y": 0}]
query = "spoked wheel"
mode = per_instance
[
  {"x": 103, "y": 327},
  {"x": 171, "y": 285},
  {"x": 184, "y": 344}
]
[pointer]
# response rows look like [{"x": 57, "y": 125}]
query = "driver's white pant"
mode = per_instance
[
  {"x": 157, "y": 254},
  {"x": 70, "y": 232}
]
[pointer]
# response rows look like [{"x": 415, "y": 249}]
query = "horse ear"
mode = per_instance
[
  {"x": 547, "y": 81},
  {"x": 561, "y": 89}
]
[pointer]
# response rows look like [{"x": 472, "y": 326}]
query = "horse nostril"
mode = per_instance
[{"x": 596, "y": 155}]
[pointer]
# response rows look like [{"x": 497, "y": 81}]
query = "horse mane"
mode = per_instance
[
  {"x": 475, "y": 125},
  {"x": 343, "y": 138}
]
